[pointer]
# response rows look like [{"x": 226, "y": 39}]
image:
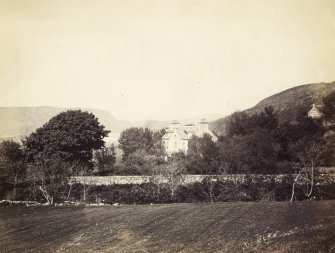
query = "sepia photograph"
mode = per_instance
[{"x": 167, "y": 126}]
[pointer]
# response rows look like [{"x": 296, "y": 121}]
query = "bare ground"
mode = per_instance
[{"x": 220, "y": 227}]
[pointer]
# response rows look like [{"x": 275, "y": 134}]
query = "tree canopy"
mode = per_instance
[
  {"x": 134, "y": 139},
  {"x": 104, "y": 159},
  {"x": 12, "y": 162},
  {"x": 70, "y": 135},
  {"x": 240, "y": 123}
]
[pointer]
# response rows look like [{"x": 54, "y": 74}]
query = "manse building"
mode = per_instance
[{"x": 177, "y": 135}]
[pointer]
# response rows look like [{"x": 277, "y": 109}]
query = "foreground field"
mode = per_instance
[{"x": 221, "y": 227}]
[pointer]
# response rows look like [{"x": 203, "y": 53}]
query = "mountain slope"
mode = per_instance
[
  {"x": 289, "y": 103},
  {"x": 18, "y": 122}
]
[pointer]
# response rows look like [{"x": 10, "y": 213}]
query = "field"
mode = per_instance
[{"x": 222, "y": 227}]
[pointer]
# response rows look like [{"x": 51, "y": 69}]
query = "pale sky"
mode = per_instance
[{"x": 161, "y": 59}]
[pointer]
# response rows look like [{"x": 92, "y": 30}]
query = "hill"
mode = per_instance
[
  {"x": 223, "y": 227},
  {"x": 289, "y": 103},
  {"x": 18, "y": 122}
]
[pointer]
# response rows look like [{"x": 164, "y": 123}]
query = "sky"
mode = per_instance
[{"x": 155, "y": 59}]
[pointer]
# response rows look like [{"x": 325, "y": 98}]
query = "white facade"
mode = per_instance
[
  {"x": 314, "y": 113},
  {"x": 177, "y": 135}
]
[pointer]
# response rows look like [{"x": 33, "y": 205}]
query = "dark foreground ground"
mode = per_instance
[{"x": 221, "y": 227}]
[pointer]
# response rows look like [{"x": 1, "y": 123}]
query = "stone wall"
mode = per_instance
[{"x": 189, "y": 179}]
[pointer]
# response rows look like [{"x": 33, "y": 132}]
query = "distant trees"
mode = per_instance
[
  {"x": 142, "y": 150},
  {"x": 328, "y": 110},
  {"x": 133, "y": 139},
  {"x": 12, "y": 162},
  {"x": 71, "y": 143},
  {"x": 328, "y": 107},
  {"x": 104, "y": 159},
  {"x": 240, "y": 123},
  {"x": 252, "y": 153},
  {"x": 249, "y": 146},
  {"x": 141, "y": 140},
  {"x": 140, "y": 163},
  {"x": 201, "y": 155},
  {"x": 255, "y": 143}
]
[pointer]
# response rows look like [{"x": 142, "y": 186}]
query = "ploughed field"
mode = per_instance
[{"x": 221, "y": 227}]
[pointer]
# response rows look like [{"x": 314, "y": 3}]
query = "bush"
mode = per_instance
[
  {"x": 211, "y": 189},
  {"x": 126, "y": 194}
]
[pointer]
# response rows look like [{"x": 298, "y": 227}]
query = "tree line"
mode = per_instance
[
  {"x": 72, "y": 143},
  {"x": 254, "y": 144}
]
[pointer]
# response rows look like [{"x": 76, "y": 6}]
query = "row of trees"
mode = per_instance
[
  {"x": 71, "y": 143},
  {"x": 256, "y": 143},
  {"x": 253, "y": 144}
]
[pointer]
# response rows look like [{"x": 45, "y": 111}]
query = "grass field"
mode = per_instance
[{"x": 221, "y": 227}]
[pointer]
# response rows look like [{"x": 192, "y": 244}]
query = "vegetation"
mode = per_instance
[
  {"x": 104, "y": 159},
  {"x": 61, "y": 148},
  {"x": 289, "y": 104},
  {"x": 72, "y": 143},
  {"x": 71, "y": 135},
  {"x": 12, "y": 163},
  {"x": 134, "y": 139}
]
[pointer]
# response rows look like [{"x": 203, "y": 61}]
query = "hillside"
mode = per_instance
[
  {"x": 18, "y": 122},
  {"x": 289, "y": 103}
]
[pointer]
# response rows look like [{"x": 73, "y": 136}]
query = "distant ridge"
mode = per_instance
[
  {"x": 289, "y": 103},
  {"x": 18, "y": 122}
]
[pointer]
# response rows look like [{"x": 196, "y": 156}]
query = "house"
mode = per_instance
[
  {"x": 177, "y": 135},
  {"x": 314, "y": 112}
]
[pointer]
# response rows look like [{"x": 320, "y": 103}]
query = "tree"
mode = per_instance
[
  {"x": 267, "y": 119},
  {"x": 240, "y": 123},
  {"x": 50, "y": 175},
  {"x": 328, "y": 107},
  {"x": 237, "y": 123},
  {"x": 104, "y": 159},
  {"x": 252, "y": 153},
  {"x": 173, "y": 173},
  {"x": 133, "y": 139},
  {"x": 140, "y": 163},
  {"x": 61, "y": 146},
  {"x": 158, "y": 148},
  {"x": 306, "y": 159},
  {"x": 202, "y": 155},
  {"x": 12, "y": 162},
  {"x": 71, "y": 136}
]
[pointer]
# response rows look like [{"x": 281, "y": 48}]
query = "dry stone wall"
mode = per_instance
[{"x": 189, "y": 179}]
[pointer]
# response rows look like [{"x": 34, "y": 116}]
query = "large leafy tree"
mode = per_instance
[{"x": 71, "y": 136}]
